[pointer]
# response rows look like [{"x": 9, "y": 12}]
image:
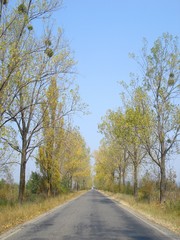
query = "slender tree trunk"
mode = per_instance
[
  {"x": 77, "y": 186},
  {"x": 163, "y": 180},
  {"x": 71, "y": 183},
  {"x": 123, "y": 176},
  {"x": 48, "y": 190},
  {"x": 120, "y": 179},
  {"x": 22, "y": 177},
  {"x": 49, "y": 185},
  {"x": 124, "y": 167},
  {"x": 111, "y": 184},
  {"x": 162, "y": 167},
  {"x": 135, "y": 165},
  {"x": 135, "y": 182},
  {"x": 22, "y": 183}
]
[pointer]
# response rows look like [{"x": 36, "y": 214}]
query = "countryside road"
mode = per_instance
[{"x": 91, "y": 216}]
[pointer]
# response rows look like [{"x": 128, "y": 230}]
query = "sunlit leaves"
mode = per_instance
[
  {"x": 161, "y": 81},
  {"x": 77, "y": 156},
  {"x": 27, "y": 65}
]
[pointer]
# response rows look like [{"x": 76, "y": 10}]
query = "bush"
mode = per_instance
[
  {"x": 8, "y": 193},
  {"x": 34, "y": 184},
  {"x": 128, "y": 189}
]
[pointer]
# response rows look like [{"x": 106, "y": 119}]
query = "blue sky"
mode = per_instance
[{"x": 102, "y": 33}]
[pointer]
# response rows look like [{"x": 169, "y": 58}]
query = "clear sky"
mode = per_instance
[{"x": 102, "y": 33}]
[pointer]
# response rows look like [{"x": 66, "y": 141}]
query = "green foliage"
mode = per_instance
[
  {"x": 63, "y": 158},
  {"x": 47, "y": 42},
  {"x": 23, "y": 82},
  {"x": 65, "y": 184},
  {"x": 128, "y": 189},
  {"x": 30, "y": 27},
  {"x": 49, "y": 52},
  {"x": 34, "y": 184},
  {"x": 76, "y": 165},
  {"x": 48, "y": 152},
  {"x": 161, "y": 81},
  {"x": 8, "y": 193},
  {"x": 148, "y": 127},
  {"x": 127, "y": 131},
  {"x": 171, "y": 80},
  {"x": 22, "y": 9},
  {"x": 173, "y": 207},
  {"x": 5, "y": 2},
  {"x": 147, "y": 187}
]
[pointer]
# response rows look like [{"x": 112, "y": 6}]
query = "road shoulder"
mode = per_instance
[{"x": 142, "y": 217}]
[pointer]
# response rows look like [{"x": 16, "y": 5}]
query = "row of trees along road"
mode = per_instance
[
  {"x": 37, "y": 90},
  {"x": 147, "y": 127}
]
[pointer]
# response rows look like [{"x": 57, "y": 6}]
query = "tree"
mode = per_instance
[
  {"x": 137, "y": 121},
  {"x": 75, "y": 161},
  {"x": 106, "y": 168},
  {"x": 118, "y": 154},
  {"x": 7, "y": 155},
  {"x": 134, "y": 146},
  {"x": 52, "y": 137},
  {"x": 126, "y": 130},
  {"x": 35, "y": 183},
  {"x": 31, "y": 79},
  {"x": 147, "y": 187},
  {"x": 16, "y": 27},
  {"x": 57, "y": 142},
  {"x": 161, "y": 80}
]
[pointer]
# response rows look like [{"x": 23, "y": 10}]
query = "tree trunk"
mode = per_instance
[
  {"x": 48, "y": 190},
  {"x": 124, "y": 167},
  {"x": 49, "y": 185},
  {"x": 135, "y": 182},
  {"x": 22, "y": 177},
  {"x": 123, "y": 176},
  {"x": 77, "y": 186},
  {"x": 120, "y": 174},
  {"x": 162, "y": 180},
  {"x": 22, "y": 183}
]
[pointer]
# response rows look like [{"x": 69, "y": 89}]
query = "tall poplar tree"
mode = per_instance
[
  {"x": 161, "y": 68},
  {"x": 76, "y": 160},
  {"x": 52, "y": 137}
]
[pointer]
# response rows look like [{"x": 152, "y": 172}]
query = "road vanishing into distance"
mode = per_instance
[{"x": 90, "y": 216}]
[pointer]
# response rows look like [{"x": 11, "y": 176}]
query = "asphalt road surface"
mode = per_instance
[{"x": 91, "y": 216}]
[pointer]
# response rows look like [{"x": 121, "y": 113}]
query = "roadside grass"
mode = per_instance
[
  {"x": 15, "y": 214},
  {"x": 167, "y": 214}
]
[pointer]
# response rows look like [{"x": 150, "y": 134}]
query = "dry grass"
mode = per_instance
[
  {"x": 165, "y": 215},
  {"x": 11, "y": 216}
]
